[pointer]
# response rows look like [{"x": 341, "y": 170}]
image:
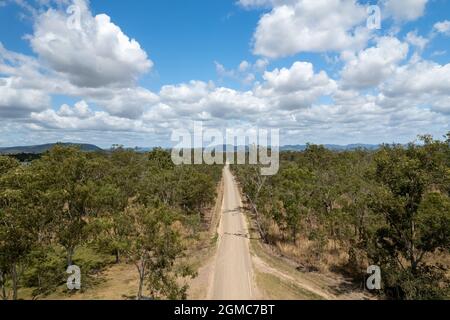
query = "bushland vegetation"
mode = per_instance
[
  {"x": 344, "y": 211},
  {"x": 70, "y": 207}
]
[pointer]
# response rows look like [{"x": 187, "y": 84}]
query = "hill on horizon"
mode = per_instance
[
  {"x": 37, "y": 149},
  {"x": 333, "y": 147}
]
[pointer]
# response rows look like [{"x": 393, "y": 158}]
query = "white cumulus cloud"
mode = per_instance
[
  {"x": 406, "y": 10},
  {"x": 371, "y": 66},
  {"x": 443, "y": 27},
  {"x": 94, "y": 53},
  {"x": 311, "y": 26}
]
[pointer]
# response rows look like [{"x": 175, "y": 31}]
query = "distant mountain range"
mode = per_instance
[
  {"x": 333, "y": 147},
  {"x": 93, "y": 148},
  {"x": 45, "y": 147}
]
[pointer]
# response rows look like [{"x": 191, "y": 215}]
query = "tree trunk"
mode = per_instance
[
  {"x": 3, "y": 285},
  {"x": 412, "y": 256},
  {"x": 141, "y": 285},
  {"x": 117, "y": 254},
  {"x": 294, "y": 234},
  {"x": 258, "y": 222},
  {"x": 14, "y": 281},
  {"x": 70, "y": 252},
  {"x": 141, "y": 270}
]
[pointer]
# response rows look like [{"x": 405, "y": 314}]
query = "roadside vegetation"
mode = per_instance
[
  {"x": 343, "y": 211},
  {"x": 95, "y": 210}
]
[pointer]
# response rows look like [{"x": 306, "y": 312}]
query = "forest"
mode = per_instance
[
  {"x": 94, "y": 209},
  {"x": 338, "y": 211},
  {"x": 345, "y": 211}
]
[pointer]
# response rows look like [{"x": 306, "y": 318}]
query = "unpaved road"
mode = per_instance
[{"x": 232, "y": 278}]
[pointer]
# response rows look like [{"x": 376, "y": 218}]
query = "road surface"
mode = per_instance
[{"x": 233, "y": 274}]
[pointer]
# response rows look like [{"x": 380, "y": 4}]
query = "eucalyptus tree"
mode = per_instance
[
  {"x": 19, "y": 221},
  {"x": 153, "y": 246},
  {"x": 416, "y": 209},
  {"x": 68, "y": 191},
  {"x": 122, "y": 174}
]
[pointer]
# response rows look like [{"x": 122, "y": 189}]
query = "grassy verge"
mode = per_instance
[
  {"x": 278, "y": 289},
  {"x": 201, "y": 257}
]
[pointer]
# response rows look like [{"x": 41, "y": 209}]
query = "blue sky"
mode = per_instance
[
  {"x": 135, "y": 70},
  {"x": 186, "y": 37}
]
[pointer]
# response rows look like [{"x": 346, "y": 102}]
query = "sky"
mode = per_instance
[{"x": 133, "y": 72}]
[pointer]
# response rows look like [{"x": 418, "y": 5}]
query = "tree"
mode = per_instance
[
  {"x": 195, "y": 189},
  {"x": 253, "y": 184},
  {"x": 17, "y": 226},
  {"x": 416, "y": 210},
  {"x": 160, "y": 159},
  {"x": 120, "y": 184},
  {"x": 68, "y": 194},
  {"x": 293, "y": 184},
  {"x": 6, "y": 164},
  {"x": 153, "y": 246}
]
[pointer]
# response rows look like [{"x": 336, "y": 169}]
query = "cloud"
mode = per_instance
[
  {"x": 414, "y": 39},
  {"x": 245, "y": 73},
  {"x": 130, "y": 103},
  {"x": 405, "y": 10},
  {"x": 422, "y": 84},
  {"x": 296, "y": 87},
  {"x": 37, "y": 83},
  {"x": 254, "y": 3},
  {"x": 371, "y": 66},
  {"x": 19, "y": 94},
  {"x": 94, "y": 53},
  {"x": 300, "y": 76},
  {"x": 185, "y": 93},
  {"x": 16, "y": 102},
  {"x": 250, "y": 4},
  {"x": 443, "y": 27},
  {"x": 200, "y": 100},
  {"x": 243, "y": 66},
  {"x": 424, "y": 77},
  {"x": 80, "y": 110},
  {"x": 311, "y": 26},
  {"x": 293, "y": 88},
  {"x": 81, "y": 117},
  {"x": 95, "y": 62}
]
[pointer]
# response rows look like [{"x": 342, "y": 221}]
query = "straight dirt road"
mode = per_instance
[{"x": 233, "y": 273}]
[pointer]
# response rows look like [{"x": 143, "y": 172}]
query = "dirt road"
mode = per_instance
[{"x": 232, "y": 278}]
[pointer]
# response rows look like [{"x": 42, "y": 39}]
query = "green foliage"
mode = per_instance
[
  {"x": 153, "y": 246},
  {"x": 93, "y": 209},
  {"x": 6, "y": 164},
  {"x": 67, "y": 194},
  {"x": 413, "y": 202},
  {"x": 388, "y": 207},
  {"x": 46, "y": 270}
]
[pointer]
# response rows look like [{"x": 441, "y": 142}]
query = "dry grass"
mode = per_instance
[
  {"x": 304, "y": 253},
  {"x": 202, "y": 257},
  {"x": 118, "y": 282},
  {"x": 295, "y": 271},
  {"x": 275, "y": 288},
  {"x": 307, "y": 254},
  {"x": 323, "y": 285}
]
